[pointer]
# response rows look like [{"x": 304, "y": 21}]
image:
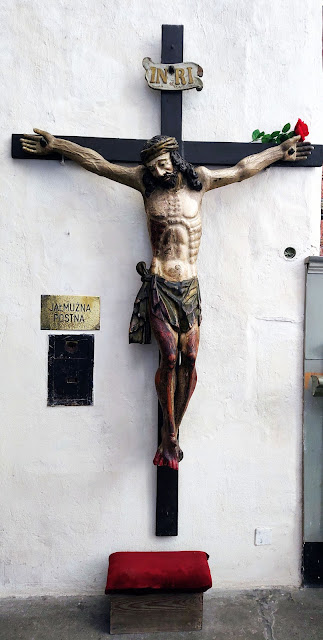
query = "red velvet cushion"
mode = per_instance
[{"x": 163, "y": 570}]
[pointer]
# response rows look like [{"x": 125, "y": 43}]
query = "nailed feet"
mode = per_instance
[{"x": 169, "y": 453}]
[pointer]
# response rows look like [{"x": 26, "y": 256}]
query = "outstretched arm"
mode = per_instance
[
  {"x": 290, "y": 151},
  {"x": 44, "y": 143}
]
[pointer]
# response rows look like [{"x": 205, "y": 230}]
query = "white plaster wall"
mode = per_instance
[{"x": 78, "y": 483}]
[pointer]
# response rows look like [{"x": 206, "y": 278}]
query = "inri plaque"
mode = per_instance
[{"x": 70, "y": 313}]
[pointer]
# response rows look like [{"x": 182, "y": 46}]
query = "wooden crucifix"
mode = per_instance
[{"x": 172, "y": 191}]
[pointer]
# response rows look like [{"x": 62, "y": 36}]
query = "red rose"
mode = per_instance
[{"x": 301, "y": 129}]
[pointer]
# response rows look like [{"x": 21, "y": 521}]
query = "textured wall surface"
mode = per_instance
[{"x": 78, "y": 482}]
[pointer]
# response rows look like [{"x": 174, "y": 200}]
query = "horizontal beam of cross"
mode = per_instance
[{"x": 211, "y": 153}]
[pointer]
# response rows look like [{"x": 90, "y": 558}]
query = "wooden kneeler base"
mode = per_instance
[{"x": 153, "y": 612}]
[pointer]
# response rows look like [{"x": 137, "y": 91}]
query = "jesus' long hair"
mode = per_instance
[{"x": 179, "y": 164}]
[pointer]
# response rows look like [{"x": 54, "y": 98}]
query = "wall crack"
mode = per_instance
[{"x": 280, "y": 319}]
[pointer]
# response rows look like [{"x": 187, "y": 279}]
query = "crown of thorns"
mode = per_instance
[{"x": 155, "y": 150}]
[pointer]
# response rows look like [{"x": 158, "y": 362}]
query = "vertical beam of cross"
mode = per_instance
[
  {"x": 171, "y": 125},
  {"x": 171, "y": 101}
]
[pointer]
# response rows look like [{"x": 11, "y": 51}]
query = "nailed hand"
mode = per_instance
[
  {"x": 294, "y": 149},
  {"x": 40, "y": 144}
]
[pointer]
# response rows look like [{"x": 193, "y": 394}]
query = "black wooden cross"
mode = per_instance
[{"x": 210, "y": 153}]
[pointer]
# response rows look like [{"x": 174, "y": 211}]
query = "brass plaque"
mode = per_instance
[{"x": 70, "y": 313}]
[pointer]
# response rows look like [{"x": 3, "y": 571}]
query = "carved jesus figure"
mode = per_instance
[{"x": 169, "y": 299}]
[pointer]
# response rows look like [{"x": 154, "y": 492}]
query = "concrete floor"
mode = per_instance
[{"x": 248, "y": 615}]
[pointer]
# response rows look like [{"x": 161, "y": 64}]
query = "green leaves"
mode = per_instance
[
  {"x": 276, "y": 136},
  {"x": 256, "y": 134}
]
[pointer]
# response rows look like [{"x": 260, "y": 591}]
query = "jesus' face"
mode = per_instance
[{"x": 163, "y": 171}]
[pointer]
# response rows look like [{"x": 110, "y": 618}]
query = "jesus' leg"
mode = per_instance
[
  {"x": 186, "y": 379},
  {"x": 168, "y": 453}
]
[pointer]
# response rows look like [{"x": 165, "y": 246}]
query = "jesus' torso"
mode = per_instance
[{"x": 175, "y": 229}]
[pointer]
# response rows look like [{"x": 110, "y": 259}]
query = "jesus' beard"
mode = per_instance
[{"x": 168, "y": 181}]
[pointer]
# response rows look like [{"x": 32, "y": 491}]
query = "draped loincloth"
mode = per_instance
[{"x": 178, "y": 303}]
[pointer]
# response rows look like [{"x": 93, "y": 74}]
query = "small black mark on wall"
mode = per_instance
[
  {"x": 70, "y": 370},
  {"x": 290, "y": 253}
]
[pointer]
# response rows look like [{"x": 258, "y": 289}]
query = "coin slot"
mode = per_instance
[{"x": 71, "y": 346}]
